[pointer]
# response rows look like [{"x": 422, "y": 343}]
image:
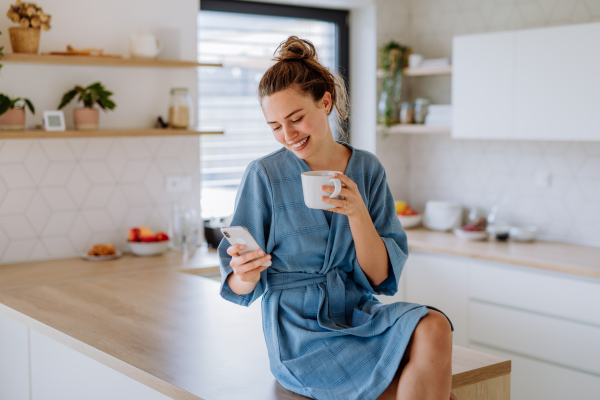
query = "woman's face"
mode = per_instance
[{"x": 298, "y": 122}]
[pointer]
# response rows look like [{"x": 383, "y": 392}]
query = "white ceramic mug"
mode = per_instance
[
  {"x": 415, "y": 60},
  {"x": 311, "y": 187}
]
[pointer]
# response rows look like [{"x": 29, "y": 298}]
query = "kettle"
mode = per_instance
[{"x": 144, "y": 45}]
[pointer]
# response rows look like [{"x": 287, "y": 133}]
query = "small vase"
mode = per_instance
[
  {"x": 86, "y": 119},
  {"x": 13, "y": 120}
]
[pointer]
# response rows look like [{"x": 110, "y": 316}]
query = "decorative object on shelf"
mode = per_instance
[
  {"x": 394, "y": 59},
  {"x": 31, "y": 18},
  {"x": 407, "y": 113},
  {"x": 439, "y": 115},
  {"x": 435, "y": 63},
  {"x": 415, "y": 60},
  {"x": 88, "y": 52},
  {"x": 54, "y": 121},
  {"x": 180, "y": 105},
  {"x": 421, "y": 105},
  {"x": 160, "y": 123},
  {"x": 144, "y": 45},
  {"x": 12, "y": 113},
  {"x": 87, "y": 118}
]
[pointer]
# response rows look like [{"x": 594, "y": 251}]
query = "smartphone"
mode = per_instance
[{"x": 241, "y": 235}]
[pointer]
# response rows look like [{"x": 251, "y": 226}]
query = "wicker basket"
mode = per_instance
[{"x": 24, "y": 40}]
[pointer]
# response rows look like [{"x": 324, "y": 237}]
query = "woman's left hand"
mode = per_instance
[{"x": 352, "y": 203}]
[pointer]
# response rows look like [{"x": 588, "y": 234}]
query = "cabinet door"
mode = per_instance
[
  {"x": 441, "y": 282},
  {"x": 482, "y": 85},
  {"x": 61, "y": 373},
  {"x": 557, "y": 83},
  {"x": 14, "y": 360}
]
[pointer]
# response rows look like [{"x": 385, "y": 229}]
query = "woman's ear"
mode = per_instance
[{"x": 326, "y": 102}]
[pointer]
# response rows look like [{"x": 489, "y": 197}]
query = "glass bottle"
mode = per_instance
[
  {"x": 180, "y": 105},
  {"x": 421, "y": 105},
  {"x": 407, "y": 113}
]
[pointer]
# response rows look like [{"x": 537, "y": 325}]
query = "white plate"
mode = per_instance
[
  {"x": 471, "y": 235},
  {"x": 117, "y": 254}
]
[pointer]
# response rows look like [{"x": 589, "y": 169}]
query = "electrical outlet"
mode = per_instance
[{"x": 179, "y": 183}]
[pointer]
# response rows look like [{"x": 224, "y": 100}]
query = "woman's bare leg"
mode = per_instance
[{"x": 428, "y": 372}]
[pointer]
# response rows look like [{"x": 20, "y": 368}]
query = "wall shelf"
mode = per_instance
[
  {"x": 421, "y": 71},
  {"x": 415, "y": 129},
  {"x": 41, "y": 134},
  {"x": 102, "y": 61}
]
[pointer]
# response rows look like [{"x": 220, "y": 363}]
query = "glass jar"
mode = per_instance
[
  {"x": 421, "y": 105},
  {"x": 407, "y": 113},
  {"x": 180, "y": 105}
]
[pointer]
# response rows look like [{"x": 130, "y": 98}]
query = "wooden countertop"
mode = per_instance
[
  {"x": 166, "y": 329},
  {"x": 552, "y": 256}
]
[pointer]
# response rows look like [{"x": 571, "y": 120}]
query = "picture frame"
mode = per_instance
[{"x": 54, "y": 121}]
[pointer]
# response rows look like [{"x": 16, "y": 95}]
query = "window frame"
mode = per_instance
[{"x": 338, "y": 17}]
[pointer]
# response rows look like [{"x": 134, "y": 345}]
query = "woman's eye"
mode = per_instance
[
  {"x": 298, "y": 120},
  {"x": 274, "y": 129}
]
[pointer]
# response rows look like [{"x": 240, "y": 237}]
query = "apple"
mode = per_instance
[
  {"x": 160, "y": 236},
  {"x": 133, "y": 235}
]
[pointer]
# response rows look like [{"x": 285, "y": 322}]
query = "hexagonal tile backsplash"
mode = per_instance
[
  {"x": 484, "y": 173},
  {"x": 58, "y": 197}
]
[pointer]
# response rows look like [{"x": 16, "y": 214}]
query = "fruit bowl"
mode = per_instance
[
  {"x": 148, "y": 248},
  {"x": 410, "y": 221}
]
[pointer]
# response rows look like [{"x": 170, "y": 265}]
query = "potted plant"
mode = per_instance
[
  {"x": 87, "y": 118},
  {"x": 12, "y": 113},
  {"x": 394, "y": 58},
  {"x": 31, "y": 18}
]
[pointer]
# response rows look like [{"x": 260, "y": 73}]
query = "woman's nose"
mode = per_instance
[{"x": 289, "y": 132}]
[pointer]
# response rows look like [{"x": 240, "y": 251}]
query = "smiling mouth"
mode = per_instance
[{"x": 300, "y": 143}]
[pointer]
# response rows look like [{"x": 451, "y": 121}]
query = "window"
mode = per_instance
[{"x": 243, "y": 36}]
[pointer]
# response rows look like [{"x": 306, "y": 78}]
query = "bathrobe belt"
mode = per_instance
[{"x": 335, "y": 301}]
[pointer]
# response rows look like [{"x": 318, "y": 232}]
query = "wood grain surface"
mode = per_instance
[
  {"x": 552, "y": 256},
  {"x": 173, "y": 332}
]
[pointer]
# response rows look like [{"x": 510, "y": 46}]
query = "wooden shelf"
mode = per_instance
[
  {"x": 102, "y": 61},
  {"x": 41, "y": 134},
  {"x": 416, "y": 129},
  {"x": 421, "y": 71}
]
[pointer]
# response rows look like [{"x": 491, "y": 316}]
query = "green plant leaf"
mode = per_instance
[
  {"x": 67, "y": 97},
  {"x": 13, "y": 103},
  {"x": 106, "y": 104},
  {"x": 4, "y": 103},
  {"x": 30, "y": 105}
]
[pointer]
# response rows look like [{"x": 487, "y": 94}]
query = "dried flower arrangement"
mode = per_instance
[{"x": 28, "y": 15}]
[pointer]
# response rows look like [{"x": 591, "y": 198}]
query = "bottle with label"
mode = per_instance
[{"x": 180, "y": 105}]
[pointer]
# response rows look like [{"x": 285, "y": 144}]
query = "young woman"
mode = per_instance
[{"x": 328, "y": 337}]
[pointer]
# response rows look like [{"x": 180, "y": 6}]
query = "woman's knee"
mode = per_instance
[{"x": 435, "y": 329}]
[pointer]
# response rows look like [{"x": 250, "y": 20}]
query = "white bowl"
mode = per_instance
[
  {"x": 410, "y": 221},
  {"x": 442, "y": 216},
  {"x": 148, "y": 248},
  {"x": 523, "y": 233},
  {"x": 471, "y": 235}
]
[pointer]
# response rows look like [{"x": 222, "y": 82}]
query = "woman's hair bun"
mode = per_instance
[{"x": 295, "y": 48}]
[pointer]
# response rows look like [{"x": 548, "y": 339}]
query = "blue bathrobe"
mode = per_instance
[{"x": 327, "y": 336}]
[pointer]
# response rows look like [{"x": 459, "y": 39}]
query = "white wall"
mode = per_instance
[{"x": 57, "y": 197}]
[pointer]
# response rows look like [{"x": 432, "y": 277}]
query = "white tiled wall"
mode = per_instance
[
  {"x": 57, "y": 197},
  {"x": 483, "y": 172}
]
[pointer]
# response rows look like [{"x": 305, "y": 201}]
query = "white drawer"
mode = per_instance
[
  {"x": 531, "y": 379},
  {"x": 537, "y": 290},
  {"x": 567, "y": 343}
]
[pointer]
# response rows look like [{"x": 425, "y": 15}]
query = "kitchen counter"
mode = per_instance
[
  {"x": 552, "y": 256},
  {"x": 170, "y": 330}
]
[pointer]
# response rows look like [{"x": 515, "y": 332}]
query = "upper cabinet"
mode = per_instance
[{"x": 535, "y": 84}]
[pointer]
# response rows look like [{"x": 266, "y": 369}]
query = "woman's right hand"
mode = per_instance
[{"x": 247, "y": 267}]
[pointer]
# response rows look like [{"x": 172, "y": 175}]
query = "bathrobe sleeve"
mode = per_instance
[
  {"x": 253, "y": 210},
  {"x": 383, "y": 214}
]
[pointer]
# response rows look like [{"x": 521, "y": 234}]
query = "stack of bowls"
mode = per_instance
[{"x": 442, "y": 215}]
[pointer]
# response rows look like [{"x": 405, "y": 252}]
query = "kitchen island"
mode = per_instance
[{"x": 157, "y": 325}]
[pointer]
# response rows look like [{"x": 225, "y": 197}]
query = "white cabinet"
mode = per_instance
[
  {"x": 14, "y": 360},
  {"x": 440, "y": 282},
  {"x": 482, "y": 85},
  {"x": 535, "y": 84},
  {"x": 557, "y": 83}
]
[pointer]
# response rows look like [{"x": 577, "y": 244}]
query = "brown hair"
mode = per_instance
[{"x": 297, "y": 65}]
